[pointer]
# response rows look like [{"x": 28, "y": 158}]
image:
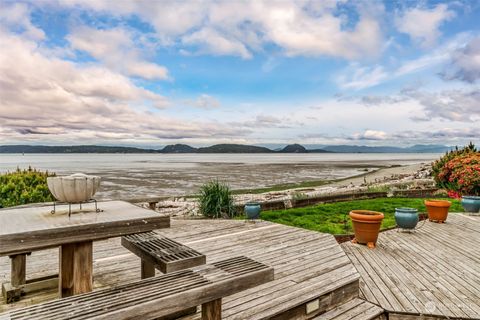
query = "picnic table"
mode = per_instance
[{"x": 27, "y": 229}]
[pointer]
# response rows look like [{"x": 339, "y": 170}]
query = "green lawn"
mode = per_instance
[{"x": 331, "y": 218}]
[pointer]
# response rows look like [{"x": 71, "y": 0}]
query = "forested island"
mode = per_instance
[{"x": 222, "y": 148}]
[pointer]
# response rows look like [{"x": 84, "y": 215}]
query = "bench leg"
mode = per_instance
[
  {"x": 212, "y": 310},
  {"x": 76, "y": 269},
  {"x": 18, "y": 271},
  {"x": 14, "y": 290},
  {"x": 147, "y": 269}
]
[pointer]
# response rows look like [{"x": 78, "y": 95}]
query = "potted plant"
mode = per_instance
[
  {"x": 437, "y": 210},
  {"x": 366, "y": 226},
  {"x": 252, "y": 210},
  {"x": 471, "y": 203},
  {"x": 406, "y": 218}
]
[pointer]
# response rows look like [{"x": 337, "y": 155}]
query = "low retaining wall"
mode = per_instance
[
  {"x": 328, "y": 198},
  {"x": 416, "y": 193}
]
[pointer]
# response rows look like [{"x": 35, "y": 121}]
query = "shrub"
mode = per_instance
[
  {"x": 24, "y": 186},
  {"x": 216, "y": 200},
  {"x": 439, "y": 164},
  {"x": 461, "y": 175}
]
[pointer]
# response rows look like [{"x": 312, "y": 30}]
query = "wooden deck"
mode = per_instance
[
  {"x": 307, "y": 265},
  {"x": 433, "y": 271}
]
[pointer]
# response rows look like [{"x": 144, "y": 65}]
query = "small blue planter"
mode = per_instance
[
  {"x": 471, "y": 203},
  {"x": 252, "y": 210},
  {"x": 406, "y": 218}
]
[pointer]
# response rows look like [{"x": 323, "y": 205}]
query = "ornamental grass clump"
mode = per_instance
[
  {"x": 459, "y": 172},
  {"x": 216, "y": 200},
  {"x": 24, "y": 186}
]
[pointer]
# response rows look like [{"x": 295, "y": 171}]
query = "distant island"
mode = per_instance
[{"x": 223, "y": 148}]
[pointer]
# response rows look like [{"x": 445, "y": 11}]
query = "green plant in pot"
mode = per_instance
[{"x": 216, "y": 200}]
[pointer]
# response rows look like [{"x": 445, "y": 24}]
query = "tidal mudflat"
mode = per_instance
[{"x": 128, "y": 176}]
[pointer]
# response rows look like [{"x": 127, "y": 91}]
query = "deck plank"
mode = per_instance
[
  {"x": 307, "y": 264},
  {"x": 436, "y": 268}
]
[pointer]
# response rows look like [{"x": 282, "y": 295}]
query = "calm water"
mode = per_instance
[{"x": 143, "y": 175}]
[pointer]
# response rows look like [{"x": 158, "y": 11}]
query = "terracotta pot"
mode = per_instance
[
  {"x": 366, "y": 225},
  {"x": 437, "y": 210}
]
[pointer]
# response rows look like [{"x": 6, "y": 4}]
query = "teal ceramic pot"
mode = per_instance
[
  {"x": 471, "y": 203},
  {"x": 252, "y": 210},
  {"x": 406, "y": 218}
]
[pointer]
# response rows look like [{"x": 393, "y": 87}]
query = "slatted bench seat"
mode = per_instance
[
  {"x": 156, "y": 297},
  {"x": 157, "y": 251}
]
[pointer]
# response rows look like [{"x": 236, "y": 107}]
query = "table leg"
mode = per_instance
[
  {"x": 18, "y": 271},
  {"x": 76, "y": 268}
]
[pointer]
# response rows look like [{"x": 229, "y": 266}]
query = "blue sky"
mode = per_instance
[{"x": 151, "y": 73}]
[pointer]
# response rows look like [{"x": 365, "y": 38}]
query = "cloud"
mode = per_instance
[
  {"x": 205, "y": 101},
  {"x": 240, "y": 28},
  {"x": 17, "y": 16},
  {"x": 465, "y": 63},
  {"x": 360, "y": 77},
  {"x": 370, "y": 135},
  {"x": 422, "y": 24},
  {"x": 209, "y": 41},
  {"x": 61, "y": 100},
  {"x": 356, "y": 76},
  {"x": 115, "y": 49},
  {"x": 452, "y": 105},
  {"x": 375, "y": 100},
  {"x": 460, "y": 105}
]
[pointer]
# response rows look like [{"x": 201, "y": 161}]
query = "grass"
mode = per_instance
[
  {"x": 286, "y": 186},
  {"x": 333, "y": 217}
]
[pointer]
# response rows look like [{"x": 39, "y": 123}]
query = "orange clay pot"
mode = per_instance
[
  {"x": 437, "y": 210},
  {"x": 366, "y": 225}
]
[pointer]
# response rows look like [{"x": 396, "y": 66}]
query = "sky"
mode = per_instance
[{"x": 150, "y": 73}]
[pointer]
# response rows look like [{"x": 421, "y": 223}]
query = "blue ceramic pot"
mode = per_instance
[
  {"x": 471, "y": 203},
  {"x": 406, "y": 218},
  {"x": 252, "y": 210}
]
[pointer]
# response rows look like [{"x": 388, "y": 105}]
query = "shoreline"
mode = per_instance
[{"x": 415, "y": 176}]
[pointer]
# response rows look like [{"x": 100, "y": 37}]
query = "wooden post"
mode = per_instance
[
  {"x": 18, "y": 269},
  {"x": 147, "y": 269},
  {"x": 212, "y": 310},
  {"x": 76, "y": 268}
]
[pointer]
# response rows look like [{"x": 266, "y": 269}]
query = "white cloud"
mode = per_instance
[
  {"x": 240, "y": 28},
  {"x": 422, "y": 24},
  {"x": 115, "y": 49},
  {"x": 44, "y": 97},
  {"x": 361, "y": 77},
  {"x": 17, "y": 16},
  {"x": 370, "y": 135},
  {"x": 209, "y": 41},
  {"x": 357, "y": 76},
  {"x": 465, "y": 62},
  {"x": 452, "y": 105},
  {"x": 205, "y": 101}
]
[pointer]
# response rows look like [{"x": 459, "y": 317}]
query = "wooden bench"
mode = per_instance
[
  {"x": 157, "y": 251},
  {"x": 156, "y": 297}
]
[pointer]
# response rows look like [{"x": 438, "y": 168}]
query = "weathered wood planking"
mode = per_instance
[
  {"x": 308, "y": 265},
  {"x": 34, "y": 228},
  {"x": 433, "y": 271},
  {"x": 355, "y": 309},
  {"x": 165, "y": 254},
  {"x": 159, "y": 296}
]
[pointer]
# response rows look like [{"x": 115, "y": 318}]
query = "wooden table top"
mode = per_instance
[{"x": 33, "y": 228}]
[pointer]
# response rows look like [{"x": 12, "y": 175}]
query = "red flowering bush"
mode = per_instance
[{"x": 461, "y": 174}]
